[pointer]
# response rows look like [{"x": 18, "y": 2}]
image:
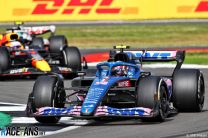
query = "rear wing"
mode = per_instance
[
  {"x": 34, "y": 30},
  {"x": 148, "y": 56},
  {"x": 38, "y": 30},
  {"x": 157, "y": 55}
]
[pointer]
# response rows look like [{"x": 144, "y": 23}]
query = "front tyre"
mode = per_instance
[
  {"x": 152, "y": 93},
  {"x": 48, "y": 92},
  {"x": 4, "y": 59}
]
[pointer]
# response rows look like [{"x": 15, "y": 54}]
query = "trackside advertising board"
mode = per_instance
[{"x": 69, "y": 10}]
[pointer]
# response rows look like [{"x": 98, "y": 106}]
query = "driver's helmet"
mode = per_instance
[
  {"x": 24, "y": 37},
  {"x": 120, "y": 70}
]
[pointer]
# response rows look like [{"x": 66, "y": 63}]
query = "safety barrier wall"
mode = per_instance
[{"x": 69, "y": 10}]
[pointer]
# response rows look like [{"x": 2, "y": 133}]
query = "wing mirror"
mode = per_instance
[
  {"x": 84, "y": 63},
  {"x": 81, "y": 74}
]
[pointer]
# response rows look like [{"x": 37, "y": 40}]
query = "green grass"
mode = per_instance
[
  {"x": 140, "y": 36},
  {"x": 150, "y": 35},
  {"x": 137, "y": 35},
  {"x": 196, "y": 58}
]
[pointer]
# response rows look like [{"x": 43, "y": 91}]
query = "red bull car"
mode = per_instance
[
  {"x": 121, "y": 88},
  {"x": 23, "y": 59},
  {"x": 30, "y": 35}
]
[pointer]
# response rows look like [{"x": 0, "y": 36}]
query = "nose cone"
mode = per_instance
[
  {"x": 43, "y": 66},
  {"x": 88, "y": 109}
]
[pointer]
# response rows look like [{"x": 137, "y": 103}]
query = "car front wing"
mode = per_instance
[{"x": 102, "y": 111}]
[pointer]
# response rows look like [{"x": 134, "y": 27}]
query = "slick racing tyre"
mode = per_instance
[
  {"x": 188, "y": 90},
  {"x": 57, "y": 43},
  {"x": 4, "y": 59},
  {"x": 48, "y": 92},
  {"x": 152, "y": 93},
  {"x": 72, "y": 58},
  {"x": 37, "y": 43}
]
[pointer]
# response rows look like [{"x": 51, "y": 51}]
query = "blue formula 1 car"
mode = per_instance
[{"x": 120, "y": 88}]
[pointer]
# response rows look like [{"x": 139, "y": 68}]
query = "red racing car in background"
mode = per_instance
[{"x": 22, "y": 53}]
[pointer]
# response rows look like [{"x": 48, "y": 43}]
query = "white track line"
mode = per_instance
[
  {"x": 23, "y": 120},
  {"x": 62, "y": 130},
  {"x": 12, "y": 108},
  {"x": 192, "y": 66},
  {"x": 31, "y": 120},
  {"x": 74, "y": 124},
  {"x": 11, "y": 103}
]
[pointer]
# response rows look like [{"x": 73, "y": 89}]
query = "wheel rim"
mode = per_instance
[
  {"x": 163, "y": 102},
  {"x": 200, "y": 93},
  {"x": 65, "y": 59},
  {"x": 59, "y": 95},
  {"x": 56, "y": 100}
]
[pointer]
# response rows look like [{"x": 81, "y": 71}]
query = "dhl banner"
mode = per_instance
[{"x": 66, "y": 10}]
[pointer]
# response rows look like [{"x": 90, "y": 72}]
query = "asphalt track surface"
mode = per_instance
[{"x": 181, "y": 125}]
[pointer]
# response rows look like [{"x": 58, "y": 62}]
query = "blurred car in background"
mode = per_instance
[
  {"x": 22, "y": 53},
  {"x": 30, "y": 35}
]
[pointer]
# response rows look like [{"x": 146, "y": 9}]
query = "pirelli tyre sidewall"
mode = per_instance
[
  {"x": 72, "y": 58},
  {"x": 188, "y": 90},
  {"x": 48, "y": 92},
  {"x": 152, "y": 93},
  {"x": 57, "y": 43},
  {"x": 4, "y": 59}
]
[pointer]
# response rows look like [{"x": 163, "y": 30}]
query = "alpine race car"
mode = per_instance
[
  {"x": 18, "y": 59},
  {"x": 121, "y": 88}
]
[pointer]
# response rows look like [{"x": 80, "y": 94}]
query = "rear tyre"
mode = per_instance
[
  {"x": 57, "y": 43},
  {"x": 4, "y": 59},
  {"x": 48, "y": 92},
  {"x": 37, "y": 43},
  {"x": 152, "y": 94},
  {"x": 188, "y": 90},
  {"x": 72, "y": 58}
]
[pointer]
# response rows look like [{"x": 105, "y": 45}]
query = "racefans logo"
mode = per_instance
[{"x": 21, "y": 131}]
